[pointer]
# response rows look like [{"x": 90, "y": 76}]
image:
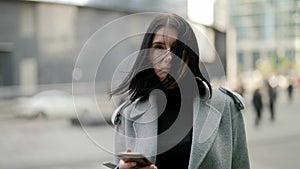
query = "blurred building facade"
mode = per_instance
[
  {"x": 40, "y": 40},
  {"x": 267, "y": 35}
]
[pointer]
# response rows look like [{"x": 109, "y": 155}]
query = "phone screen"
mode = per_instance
[{"x": 109, "y": 165}]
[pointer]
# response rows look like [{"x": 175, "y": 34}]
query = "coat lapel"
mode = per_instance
[
  {"x": 145, "y": 117},
  {"x": 206, "y": 124}
]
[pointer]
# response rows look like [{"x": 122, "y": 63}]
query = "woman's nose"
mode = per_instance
[{"x": 168, "y": 56}]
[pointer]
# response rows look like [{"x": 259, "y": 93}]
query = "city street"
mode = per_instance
[
  {"x": 275, "y": 145},
  {"x": 56, "y": 144},
  {"x": 55, "y": 52},
  {"x": 51, "y": 144}
]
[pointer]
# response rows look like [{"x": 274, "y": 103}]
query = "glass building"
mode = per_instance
[{"x": 267, "y": 34}]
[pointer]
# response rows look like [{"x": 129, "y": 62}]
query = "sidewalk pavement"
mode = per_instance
[{"x": 280, "y": 137}]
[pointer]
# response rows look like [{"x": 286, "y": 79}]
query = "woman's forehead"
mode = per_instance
[{"x": 165, "y": 34}]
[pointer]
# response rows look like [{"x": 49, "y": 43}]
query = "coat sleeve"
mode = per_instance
[{"x": 240, "y": 157}]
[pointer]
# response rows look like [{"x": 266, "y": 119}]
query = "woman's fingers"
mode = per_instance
[
  {"x": 126, "y": 165},
  {"x": 152, "y": 166}
]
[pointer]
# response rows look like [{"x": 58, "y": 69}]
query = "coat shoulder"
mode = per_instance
[{"x": 236, "y": 98}]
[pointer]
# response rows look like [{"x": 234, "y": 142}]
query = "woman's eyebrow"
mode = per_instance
[{"x": 158, "y": 43}]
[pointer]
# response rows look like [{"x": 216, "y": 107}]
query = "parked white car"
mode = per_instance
[
  {"x": 50, "y": 104},
  {"x": 102, "y": 113}
]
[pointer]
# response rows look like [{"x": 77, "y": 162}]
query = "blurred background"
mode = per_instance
[{"x": 247, "y": 44}]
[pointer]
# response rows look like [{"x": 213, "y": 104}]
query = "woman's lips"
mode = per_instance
[{"x": 165, "y": 70}]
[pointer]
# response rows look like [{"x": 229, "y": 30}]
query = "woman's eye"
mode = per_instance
[{"x": 158, "y": 47}]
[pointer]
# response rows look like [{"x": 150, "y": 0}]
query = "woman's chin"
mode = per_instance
[{"x": 162, "y": 76}]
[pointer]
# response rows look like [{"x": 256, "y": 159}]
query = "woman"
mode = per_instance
[{"x": 172, "y": 115}]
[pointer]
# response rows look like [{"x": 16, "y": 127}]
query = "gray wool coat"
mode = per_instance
[{"x": 218, "y": 141}]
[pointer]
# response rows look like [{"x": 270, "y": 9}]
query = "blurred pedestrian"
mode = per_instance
[
  {"x": 258, "y": 105},
  {"x": 240, "y": 89},
  {"x": 290, "y": 91},
  {"x": 272, "y": 93}
]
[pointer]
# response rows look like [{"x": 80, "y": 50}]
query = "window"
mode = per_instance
[
  {"x": 255, "y": 56},
  {"x": 241, "y": 61}
]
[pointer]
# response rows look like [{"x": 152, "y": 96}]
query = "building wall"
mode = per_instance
[
  {"x": 9, "y": 41},
  {"x": 40, "y": 42},
  {"x": 267, "y": 27},
  {"x": 267, "y": 32}
]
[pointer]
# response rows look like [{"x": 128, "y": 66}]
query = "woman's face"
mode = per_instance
[{"x": 160, "y": 55}]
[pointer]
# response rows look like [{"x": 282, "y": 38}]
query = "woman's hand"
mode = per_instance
[
  {"x": 126, "y": 165},
  {"x": 130, "y": 165},
  {"x": 152, "y": 166}
]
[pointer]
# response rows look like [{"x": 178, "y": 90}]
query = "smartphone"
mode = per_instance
[
  {"x": 139, "y": 158},
  {"x": 109, "y": 165}
]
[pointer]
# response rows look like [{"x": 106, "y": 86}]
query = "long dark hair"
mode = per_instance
[{"x": 142, "y": 79}]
